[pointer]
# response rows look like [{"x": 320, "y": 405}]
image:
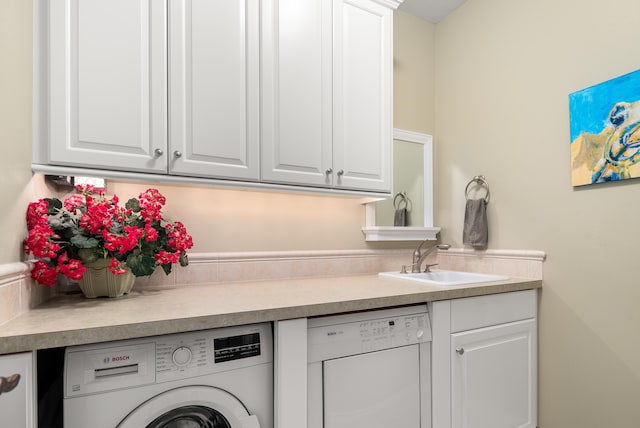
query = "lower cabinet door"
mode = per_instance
[
  {"x": 16, "y": 390},
  {"x": 494, "y": 372}
]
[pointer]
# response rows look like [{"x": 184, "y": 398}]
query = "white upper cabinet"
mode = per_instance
[
  {"x": 327, "y": 93},
  {"x": 214, "y": 69},
  {"x": 362, "y": 76},
  {"x": 293, "y": 92},
  {"x": 296, "y": 89},
  {"x": 108, "y": 84}
]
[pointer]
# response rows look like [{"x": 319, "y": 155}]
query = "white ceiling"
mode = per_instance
[{"x": 430, "y": 10}]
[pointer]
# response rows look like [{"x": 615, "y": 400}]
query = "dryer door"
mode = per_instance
[
  {"x": 373, "y": 390},
  {"x": 191, "y": 407}
]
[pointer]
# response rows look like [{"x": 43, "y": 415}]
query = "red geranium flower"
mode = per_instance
[
  {"x": 37, "y": 213},
  {"x": 150, "y": 234},
  {"x": 117, "y": 267},
  {"x": 179, "y": 239},
  {"x": 43, "y": 273},
  {"x": 88, "y": 226},
  {"x": 166, "y": 257},
  {"x": 151, "y": 203},
  {"x": 71, "y": 268},
  {"x": 40, "y": 241},
  {"x": 73, "y": 202}
]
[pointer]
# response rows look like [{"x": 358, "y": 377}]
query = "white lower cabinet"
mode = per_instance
[
  {"x": 493, "y": 376},
  {"x": 483, "y": 366},
  {"x": 17, "y": 391},
  {"x": 485, "y": 361}
]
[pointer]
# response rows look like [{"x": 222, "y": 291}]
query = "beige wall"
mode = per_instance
[
  {"x": 413, "y": 73},
  {"x": 16, "y": 184},
  {"x": 413, "y": 104},
  {"x": 504, "y": 69},
  {"x": 223, "y": 220}
]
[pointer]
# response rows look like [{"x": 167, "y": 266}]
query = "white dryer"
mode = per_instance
[
  {"x": 220, "y": 378},
  {"x": 370, "y": 369}
]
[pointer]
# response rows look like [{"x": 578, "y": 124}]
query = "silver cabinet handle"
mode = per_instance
[
  {"x": 329, "y": 171},
  {"x": 177, "y": 153},
  {"x": 460, "y": 351},
  {"x": 158, "y": 152},
  {"x": 340, "y": 172}
]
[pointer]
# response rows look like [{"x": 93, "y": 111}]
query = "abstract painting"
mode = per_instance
[{"x": 605, "y": 131}]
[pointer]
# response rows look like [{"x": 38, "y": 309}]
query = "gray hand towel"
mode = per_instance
[
  {"x": 475, "y": 232},
  {"x": 400, "y": 217}
]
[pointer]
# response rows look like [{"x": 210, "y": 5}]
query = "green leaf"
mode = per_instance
[
  {"x": 116, "y": 228},
  {"x": 54, "y": 205},
  {"x": 133, "y": 205},
  {"x": 84, "y": 242},
  {"x": 166, "y": 268},
  {"x": 88, "y": 255},
  {"x": 141, "y": 264},
  {"x": 55, "y": 223},
  {"x": 68, "y": 222}
]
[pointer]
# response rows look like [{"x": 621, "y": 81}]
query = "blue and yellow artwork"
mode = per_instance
[{"x": 605, "y": 131}]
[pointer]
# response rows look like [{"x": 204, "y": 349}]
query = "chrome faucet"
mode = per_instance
[{"x": 418, "y": 256}]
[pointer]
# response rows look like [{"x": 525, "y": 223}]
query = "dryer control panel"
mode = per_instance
[{"x": 343, "y": 335}]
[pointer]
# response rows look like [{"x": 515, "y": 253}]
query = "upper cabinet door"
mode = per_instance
[
  {"x": 362, "y": 131},
  {"x": 296, "y": 128},
  {"x": 214, "y": 56},
  {"x": 107, "y": 80}
]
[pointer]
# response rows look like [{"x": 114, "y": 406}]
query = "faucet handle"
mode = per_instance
[{"x": 427, "y": 267}]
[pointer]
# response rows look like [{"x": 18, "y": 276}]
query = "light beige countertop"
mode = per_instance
[{"x": 72, "y": 320}]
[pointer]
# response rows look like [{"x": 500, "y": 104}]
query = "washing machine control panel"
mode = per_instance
[
  {"x": 180, "y": 353},
  {"x": 209, "y": 351},
  {"x": 100, "y": 367}
]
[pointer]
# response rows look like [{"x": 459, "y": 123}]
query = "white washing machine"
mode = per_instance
[
  {"x": 220, "y": 378},
  {"x": 370, "y": 369}
]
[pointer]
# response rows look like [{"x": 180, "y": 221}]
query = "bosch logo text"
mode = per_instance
[{"x": 119, "y": 358}]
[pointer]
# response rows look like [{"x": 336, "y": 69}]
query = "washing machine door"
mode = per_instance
[{"x": 191, "y": 407}]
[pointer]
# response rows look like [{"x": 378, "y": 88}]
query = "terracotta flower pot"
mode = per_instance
[{"x": 98, "y": 281}]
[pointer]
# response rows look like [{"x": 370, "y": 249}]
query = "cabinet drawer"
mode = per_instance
[{"x": 484, "y": 311}]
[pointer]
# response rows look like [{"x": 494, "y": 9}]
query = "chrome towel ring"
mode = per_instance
[
  {"x": 478, "y": 181},
  {"x": 400, "y": 213},
  {"x": 403, "y": 198}
]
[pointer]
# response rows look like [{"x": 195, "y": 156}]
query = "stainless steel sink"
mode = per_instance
[{"x": 445, "y": 277}]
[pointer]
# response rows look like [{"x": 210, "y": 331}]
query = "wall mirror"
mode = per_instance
[{"x": 412, "y": 175}]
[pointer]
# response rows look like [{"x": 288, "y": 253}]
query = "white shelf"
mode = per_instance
[{"x": 391, "y": 233}]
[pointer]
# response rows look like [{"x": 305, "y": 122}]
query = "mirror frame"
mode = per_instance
[{"x": 407, "y": 233}]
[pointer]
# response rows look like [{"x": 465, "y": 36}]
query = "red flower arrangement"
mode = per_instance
[{"x": 88, "y": 226}]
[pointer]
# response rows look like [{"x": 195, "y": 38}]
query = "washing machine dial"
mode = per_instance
[{"x": 182, "y": 356}]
